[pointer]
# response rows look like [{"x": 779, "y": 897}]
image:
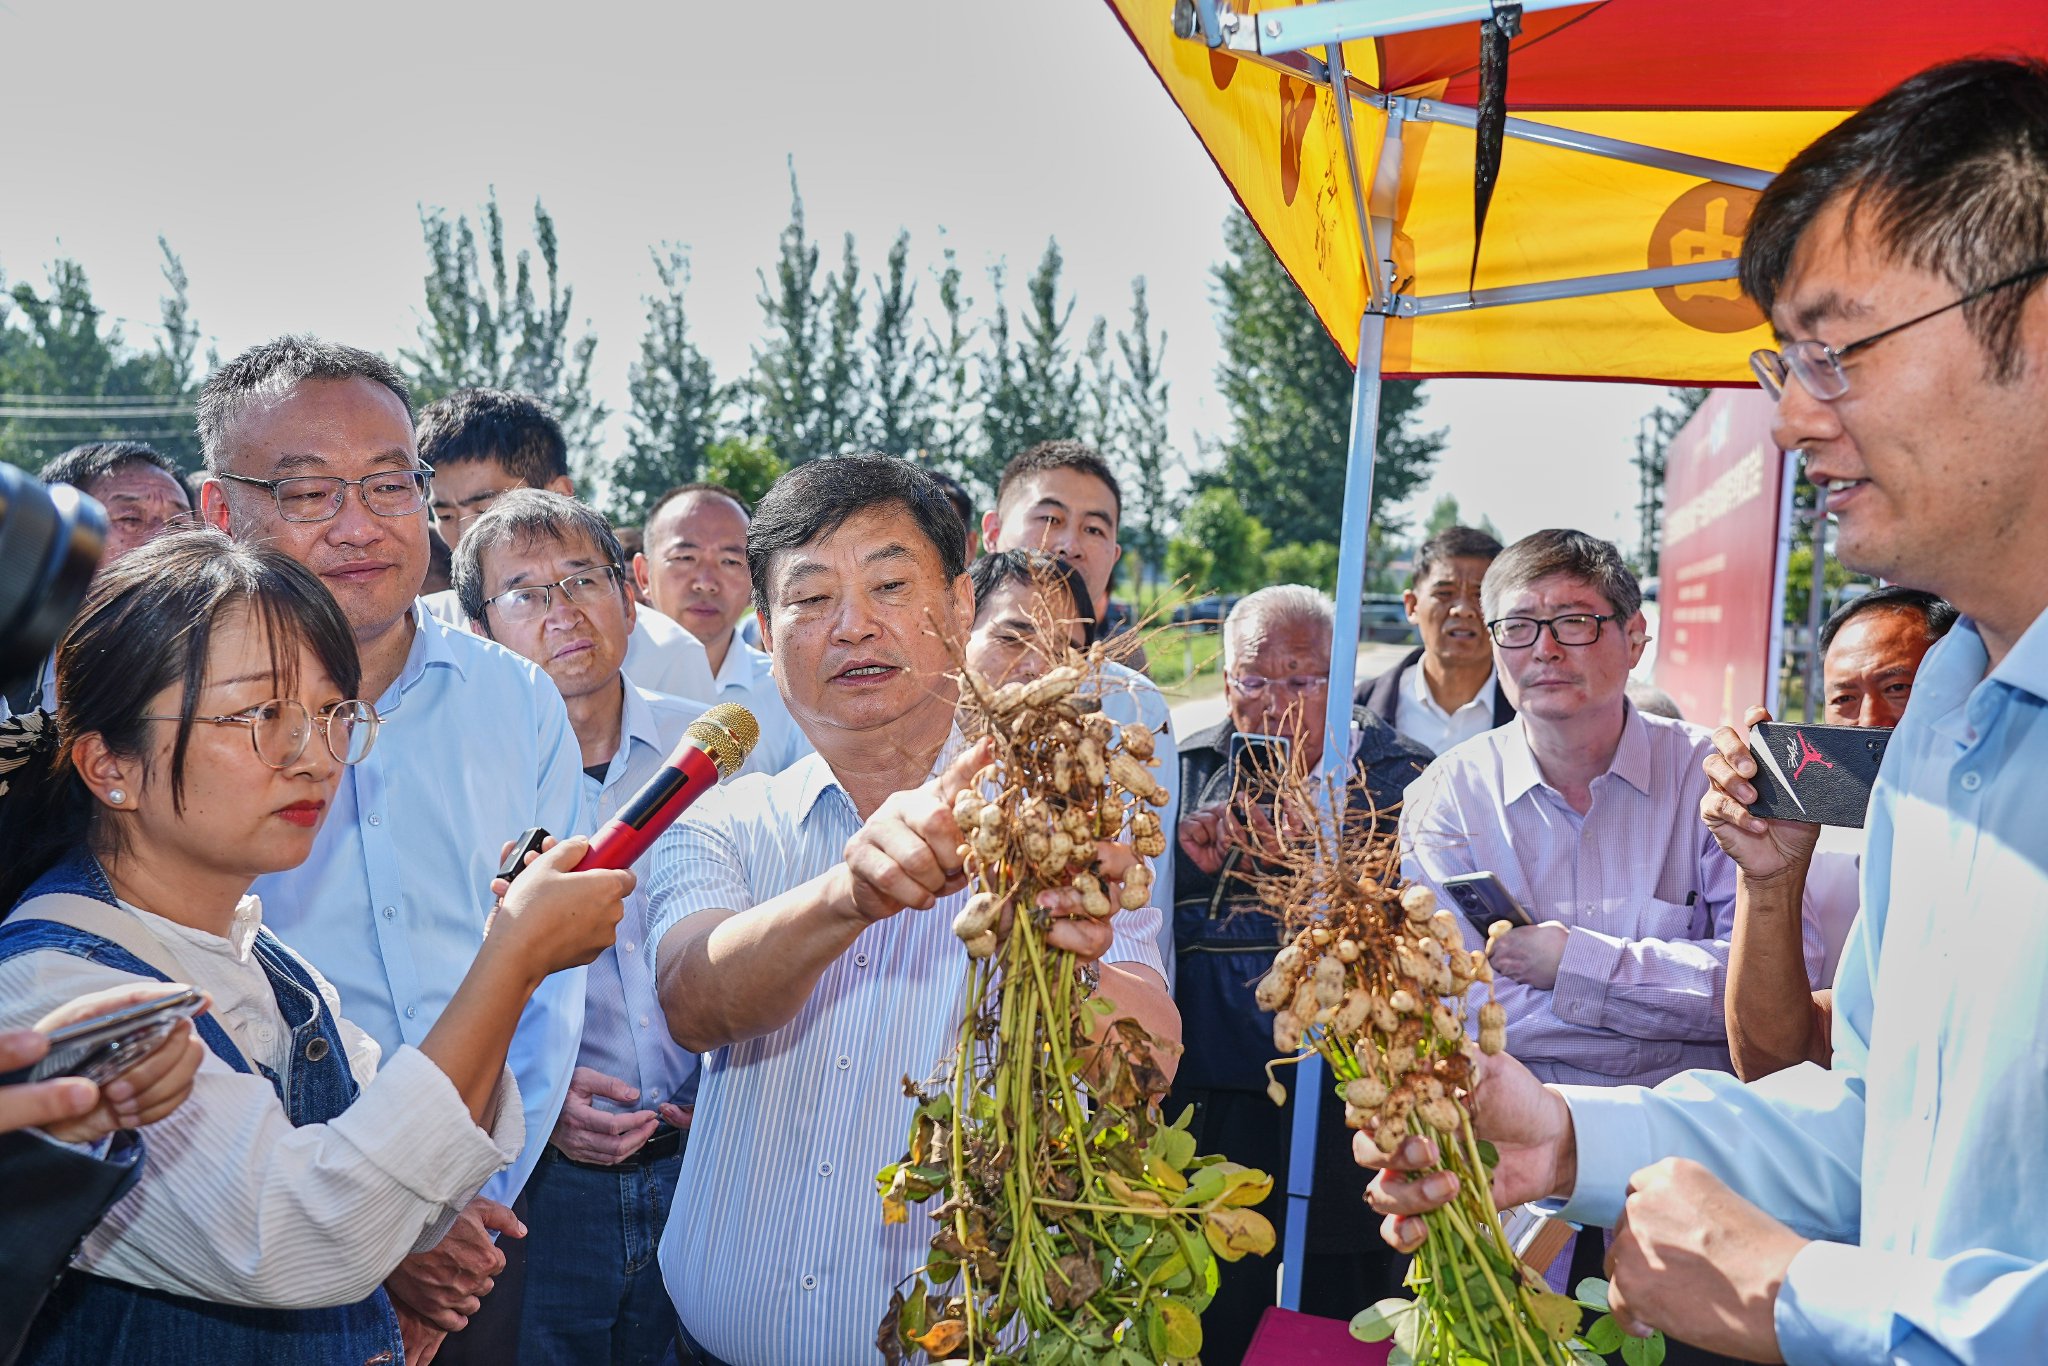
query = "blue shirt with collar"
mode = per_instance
[
  {"x": 475, "y": 747},
  {"x": 747, "y": 676},
  {"x": 1917, "y": 1163}
]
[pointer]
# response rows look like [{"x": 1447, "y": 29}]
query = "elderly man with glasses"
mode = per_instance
[
  {"x": 1587, "y": 810},
  {"x": 309, "y": 448}
]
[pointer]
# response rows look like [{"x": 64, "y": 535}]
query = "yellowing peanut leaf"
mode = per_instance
[{"x": 1234, "y": 1232}]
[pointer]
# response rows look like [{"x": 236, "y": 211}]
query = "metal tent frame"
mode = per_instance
[{"x": 1284, "y": 39}]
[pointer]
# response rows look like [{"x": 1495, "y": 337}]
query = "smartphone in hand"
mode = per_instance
[
  {"x": 1483, "y": 899},
  {"x": 1257, "y": 764},
  {"x": 105, "y": 1046},
  {"x": 1821, "y": 774}
]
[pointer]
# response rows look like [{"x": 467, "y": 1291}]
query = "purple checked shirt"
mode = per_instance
[{"x": 1639, "y": 990}]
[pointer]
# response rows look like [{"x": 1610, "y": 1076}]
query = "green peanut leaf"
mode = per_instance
[
  {"x": 1603, "y": 1335},
  {"x": 1647, "y": 1351},
  {"x": 1489, "y": 1154},
  {"x": 1182, "y": 1330},
  {"x": 1592, "y": 1293}
]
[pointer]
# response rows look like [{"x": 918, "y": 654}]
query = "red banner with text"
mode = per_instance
[{"x": 1720, "y": 571}]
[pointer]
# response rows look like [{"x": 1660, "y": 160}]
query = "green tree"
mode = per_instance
[
  {"x": 900, "y": 422},
  {"x": 1445, "y": 514},
  {"x": 743, "y": 464},
  {"x": 1653, "y": 447},
  {"x": 1145, "y": 447},
  {"x": 1288, "y": 391},
  {"x": 842, "y": 377},
  {"x": 1050, "y": 378},
  {"x": 1221, "y": 548},
  {"x": 787, "y": 364},
  {"x": 954, "y": 421},
  {"x": 502, "y": 329},
  {"x": 676, "y": 400},
  {"x": 1314, "y": 564},
  {"x": 69, "y": 376},
  {"x": 1005, "y": 407}
]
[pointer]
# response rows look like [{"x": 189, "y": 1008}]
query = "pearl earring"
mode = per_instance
[{"x": 116, "y": 796}]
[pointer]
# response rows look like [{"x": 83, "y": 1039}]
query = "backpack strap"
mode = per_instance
[{"x": 120, "y": 928}]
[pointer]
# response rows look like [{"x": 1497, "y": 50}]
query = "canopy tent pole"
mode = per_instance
[
  {"x": 1277, "y": 31},
  {"x": 1335, "y": 771}
]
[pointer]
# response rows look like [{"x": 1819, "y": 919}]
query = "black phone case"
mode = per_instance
[{"x": 1821, "y": 774}]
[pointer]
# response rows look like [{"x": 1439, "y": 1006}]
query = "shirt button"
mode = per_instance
[
  {"x": 376, "y": 819},
  {"x": 643, "y": 1022},
  {"x": 411, "y": 1011},
  {"x": 824, "y": 1169},
  {"x": 860, "y": 960},
  {"x": 1972, "y": 781},
  {"x": 390, "y": 911},
  {"x": 810, "y": 1282},
  {"x": 844, "y": 1062},
  {"x": 264, "y": 1033},
  {"x": 629, "y": 948}
]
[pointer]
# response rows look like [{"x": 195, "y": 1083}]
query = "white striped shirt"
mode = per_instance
[
  {"x": 236, "y": 1205},
  {"x": 775, "y": 1252}
]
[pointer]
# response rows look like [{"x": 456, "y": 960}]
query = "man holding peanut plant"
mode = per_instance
[
  {"x": 1894, "y": 1208},
  {"x": 803, "y": 926}
]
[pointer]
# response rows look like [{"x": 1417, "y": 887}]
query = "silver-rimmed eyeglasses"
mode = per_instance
[
  {"x": 530, "y": 602},
  {"x": 318, "y": 497},
  {"x": 281, "y": 728},
  {"x": 1818, "y": 366}
]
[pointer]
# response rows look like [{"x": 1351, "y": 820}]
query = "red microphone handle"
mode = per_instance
[{"x": 688, "y": 775}]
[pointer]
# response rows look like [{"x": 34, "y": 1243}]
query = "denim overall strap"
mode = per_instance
[
  {"x": 317, "y": 1084},
  {"x": 19, "y": 936},
  {"x": 90, "y": 1320}
]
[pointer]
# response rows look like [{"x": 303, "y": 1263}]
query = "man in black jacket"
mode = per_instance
[
  {"x": 1444, "y": 692},
  {"x": 1276, "y": 664}
]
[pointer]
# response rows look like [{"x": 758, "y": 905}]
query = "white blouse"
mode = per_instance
[{"x": 236, "y": 1205}]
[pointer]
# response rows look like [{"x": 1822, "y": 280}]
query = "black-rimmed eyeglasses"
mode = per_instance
[
  {"x": 1818, "y": 366},
  {"x": 318, "y": 497},
  {"x": 530, "y": 602},
  {"x": 1574, "y": 628}
]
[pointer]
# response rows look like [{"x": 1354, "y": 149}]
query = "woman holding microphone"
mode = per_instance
[{"x": 208, "y": 707}]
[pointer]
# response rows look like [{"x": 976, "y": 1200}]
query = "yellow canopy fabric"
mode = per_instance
[{"x": 1556, "y": 213}]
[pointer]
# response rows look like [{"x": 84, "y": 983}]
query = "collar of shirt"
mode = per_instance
[
  {"x": 1520, "y": 774},
  {"x": 815, "y": 777},
  {"x": 1950, "y": 686},
  {"x": 637, "y": 726},
  {"x": 1415, "y": 688},
  {"x": 429, "y": 650},
  {"x": 743, "y": 667}
]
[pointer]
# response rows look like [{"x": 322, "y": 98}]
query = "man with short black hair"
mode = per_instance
[
  {"x": 956, "y": 494},
  {"x": 693, "y": 572},
  {"x": 482, "y": 444},
  {"x": 1021, "y": 600},
  {"x": 1883, "y": 635},
  {"x": 309, "y": 450},
  {"x": 543, "y": 575},
  {"x": 1445, "y": 690},
  {"x": 803, "y": 924},
  {"x": 1894, "y": 1208}
]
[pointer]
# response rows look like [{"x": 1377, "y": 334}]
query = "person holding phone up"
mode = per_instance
[{"x": 208, "y": 709}]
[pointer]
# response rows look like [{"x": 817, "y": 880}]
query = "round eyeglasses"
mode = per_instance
[
  {"x": 318, "y": 497},
  {"x": 281, "y": 728},
  {"x": 1574, "y": 628},
  {"x": 1818, "y": 366},
  {"x": 531, "y": 602}
]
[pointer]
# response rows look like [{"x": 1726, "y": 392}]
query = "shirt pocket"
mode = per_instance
[{"x": 1655, "y": 918}]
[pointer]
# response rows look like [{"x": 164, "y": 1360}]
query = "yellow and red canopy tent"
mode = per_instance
[{"x": 1638, "y": 135}]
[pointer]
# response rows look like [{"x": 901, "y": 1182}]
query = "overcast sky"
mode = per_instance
[{"x": 285, "y": 152}]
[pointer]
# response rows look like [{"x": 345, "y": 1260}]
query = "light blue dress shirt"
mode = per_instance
[
  {"x": 624, "y": 1034},
  {"x": 475, "y": 748},
  {"x": 775, "y": 1252},
  {"x": 1128, "y": 697},
  {"x": 1921, "y": 1160}
]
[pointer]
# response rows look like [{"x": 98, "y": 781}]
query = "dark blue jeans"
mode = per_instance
[{"x": 593, "y": 1286}]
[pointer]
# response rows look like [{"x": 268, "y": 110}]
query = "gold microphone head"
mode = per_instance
[{"x": 728, "y": 733}]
